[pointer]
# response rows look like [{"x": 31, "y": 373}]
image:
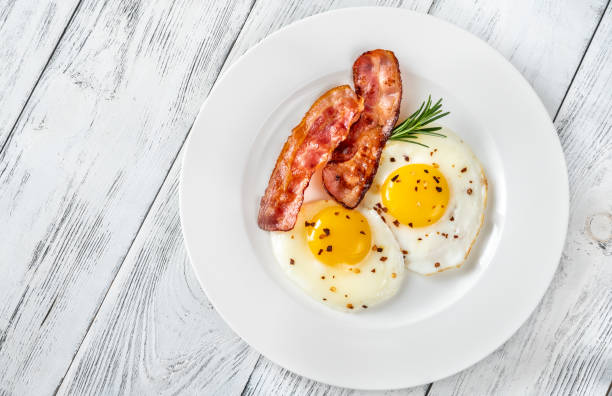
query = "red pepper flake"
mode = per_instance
[
  {"x": 404, "y": 251},
  {"x": 396, "y": 223},
  {"x": 452, "y": 218},
  {"x": 320, "y": 251},
  {"x": 321, "y": 236},
  {"x": 322, "y": 276},
  {"x": 455, "y": 236},
  {"x": 392, "y": 159},
  {"x": 438, "y": 189},
  {"x": 436, "y": 265},
  {"x": 445, "y": 235},
  {"x": 406, "y": 158},
  {"x": 328, "y": 248},
  {"x": 416, "y": 188},
  {"x": 384, "y": 209},
  {"x": 420, "y": 239},
  {"x": 470, "y": 182},
  {"x": 379, "y": 249},
  {"x": 349, "y": 306},
  {"x": 291, "y": 261},
  {"x": 307, "y": 224},
  {"x": 364, "y": 306},
  {"x": 469, "y": 191},
  {"x": 347, "y": 216},
  {"x": 425, "y": 170},
  {"x": 435, "y": 150},
  {"x": 374, "y": 247},
  {"x": 383, "y": 219},
  {"x": 336, "y": 213},
  {"x": 373, "y": 270},
  {"x": 394, "y": 178},
  {"x": 362, "y": 232},
  {"x": 431, "y": 153},
  {"x": 410, "y": 225},
  {"x": 463, "y": 170},
  {"x": 324, "y": 299},
  {"x": 436, "y": 179},
  {"x": 393, "y": 275},
  {"x": 418, "y": 181},
  {"x": 326, "y": 231},
  {"x": 383, "y": 258}
]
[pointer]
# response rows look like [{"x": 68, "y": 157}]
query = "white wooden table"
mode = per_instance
[{"x": 96, "y": 292}]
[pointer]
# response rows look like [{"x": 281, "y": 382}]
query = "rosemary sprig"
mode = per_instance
[{"x": 415, "y": 125}]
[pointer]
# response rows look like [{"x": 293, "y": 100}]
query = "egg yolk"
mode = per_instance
[
  {"x": 416, "y": 195},
  {"x": 337, "y": 235}
]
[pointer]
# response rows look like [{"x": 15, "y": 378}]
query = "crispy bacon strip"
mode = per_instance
[
  {"x": 309, "y": 146},
  {"x": 351, "y": 170}
]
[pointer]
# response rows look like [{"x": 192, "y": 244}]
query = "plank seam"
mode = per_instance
[
  {"x": 146, "y": 215},
  {"x": 581, "y": 60},
  {"x": 42, "y": 72}
]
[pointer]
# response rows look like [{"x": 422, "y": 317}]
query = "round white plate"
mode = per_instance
[{"x": 435, "y": 326}]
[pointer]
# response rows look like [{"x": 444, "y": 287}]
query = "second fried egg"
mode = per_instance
[{"x": 433, "y": 199}]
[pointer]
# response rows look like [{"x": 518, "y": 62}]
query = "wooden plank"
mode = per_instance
[
  {"x": 166, "y": 337},
  {"x": 87, "y": 157},
  {"x": 29, "y": 32},
  {"x": 565, "y": 347},
  {"x": 544, "y": 40}
]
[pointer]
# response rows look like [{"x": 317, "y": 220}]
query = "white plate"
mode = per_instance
[{"x": 437, "y": 325}]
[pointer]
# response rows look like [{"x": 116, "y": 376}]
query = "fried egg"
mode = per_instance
[
  {"x": 433, "y": 199},
  {"x": 346, "y": 259}
]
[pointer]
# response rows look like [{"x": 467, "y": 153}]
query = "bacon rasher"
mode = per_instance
[
  {"x": 353, "y": 165},
  {"x": 308, "y": 148}
]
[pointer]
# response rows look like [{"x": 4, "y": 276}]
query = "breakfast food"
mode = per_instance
[
  {"x": 308, "y": 148},
  {"x": 349, "y": 173},
  {"x": 407, "y": 196},
  {"x": 433, "y": 199},
  {"x": 346, "y": 259}
]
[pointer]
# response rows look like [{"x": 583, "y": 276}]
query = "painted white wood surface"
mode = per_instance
[
  {"x": 29, "y": 31},
  {"x": 155, "y": 331},
  {"x": 87, "y": 158}
]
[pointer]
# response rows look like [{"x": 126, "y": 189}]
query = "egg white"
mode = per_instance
[
  {"x": 446, "y": 243},
  {"x": 375, "y": 282}
]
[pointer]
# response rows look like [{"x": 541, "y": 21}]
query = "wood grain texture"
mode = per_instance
[
  {"x": 156, "y": 332},
  {"x": 565, "y": 348},
  {"x": 88, "y": 155},
  {"x": 29, "y": 31},
  {"x": 544, "y": 40},
  {"x": 129, "y": 78}
]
